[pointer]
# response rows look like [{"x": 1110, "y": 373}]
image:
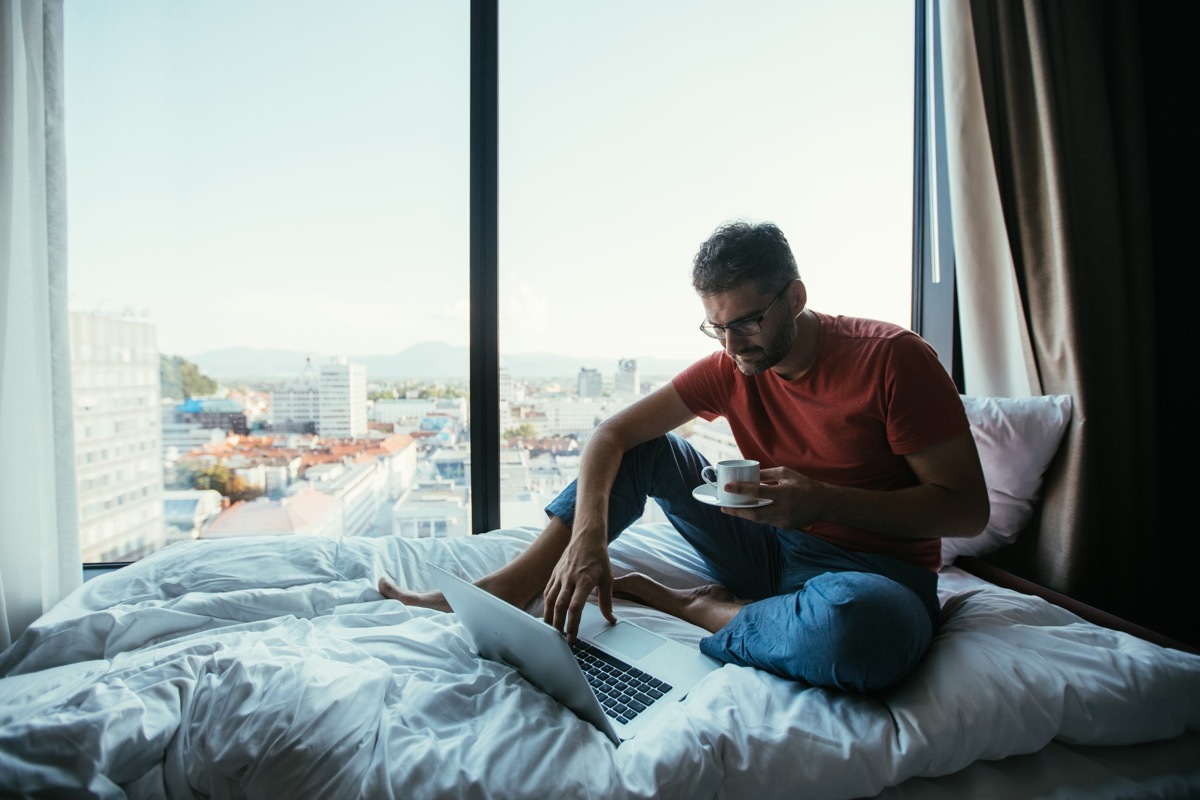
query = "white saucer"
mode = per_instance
[{"x": 708, "y": 494}]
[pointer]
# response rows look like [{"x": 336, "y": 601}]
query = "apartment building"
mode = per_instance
[
  {"x": 342, "y": 405},
  {"x": 296, "y": 405},
  {"x": 118, "y": 438}
]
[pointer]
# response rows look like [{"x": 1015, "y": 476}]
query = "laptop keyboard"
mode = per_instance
[{"x": 624, "y": 690}]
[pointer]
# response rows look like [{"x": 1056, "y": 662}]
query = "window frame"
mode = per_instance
[{"x": 933, "y": 307}]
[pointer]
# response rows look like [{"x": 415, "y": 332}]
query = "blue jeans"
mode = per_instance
[{"x": 818, "y": 613}]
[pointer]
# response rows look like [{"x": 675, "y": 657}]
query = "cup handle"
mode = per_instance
[{"x": 707, "y": 472}]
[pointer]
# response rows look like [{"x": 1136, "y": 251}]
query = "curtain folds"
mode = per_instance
[
  {"x": 39, "y": 531},
  {"x": 1050, "y": 203},
  {"x": 993, "y": 325}
]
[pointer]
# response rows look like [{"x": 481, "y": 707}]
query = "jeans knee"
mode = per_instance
[
  {"x": 857, "y": 632},
  {"x": 866, "y": 631}
]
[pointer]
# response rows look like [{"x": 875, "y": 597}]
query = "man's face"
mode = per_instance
[{"x": 763, "y": 350}]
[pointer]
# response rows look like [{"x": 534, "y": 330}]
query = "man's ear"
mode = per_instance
[{"x": 798, "y": 297}]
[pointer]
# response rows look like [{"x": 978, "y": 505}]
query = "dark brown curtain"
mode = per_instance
[{"x": 1062, "y": 90}]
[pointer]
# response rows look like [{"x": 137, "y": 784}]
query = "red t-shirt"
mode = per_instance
[{"x": 875, "y": 393}]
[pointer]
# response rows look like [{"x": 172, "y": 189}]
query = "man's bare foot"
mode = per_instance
[
  {"x": 495, "y": 583},
  {"x": 711, "y": 607},
  {"x": 433, "y": 600}
]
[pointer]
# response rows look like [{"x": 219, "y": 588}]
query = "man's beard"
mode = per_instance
[{"x": 771, "y": 353}]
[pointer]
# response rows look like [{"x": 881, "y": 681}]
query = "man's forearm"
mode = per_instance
[
  {"x": 950, "y": 499},
  {"x": 597, "y": 470},
  {"x": 919, "y": 512}
]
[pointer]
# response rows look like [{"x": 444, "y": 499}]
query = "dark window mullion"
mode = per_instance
[
  {"x": 484, "y": 278},
  {"x": 920, "y": 167}
]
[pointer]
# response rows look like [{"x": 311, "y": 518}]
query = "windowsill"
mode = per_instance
[{"x": 94, "y": 570}]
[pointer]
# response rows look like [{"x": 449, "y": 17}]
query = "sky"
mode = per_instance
[{"x": 293, "y": 174}]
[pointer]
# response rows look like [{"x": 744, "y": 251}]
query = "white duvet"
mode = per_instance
[{"x": 272, "y": 668}]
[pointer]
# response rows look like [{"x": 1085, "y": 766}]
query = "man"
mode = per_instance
[{"x": 868, "y": 461}]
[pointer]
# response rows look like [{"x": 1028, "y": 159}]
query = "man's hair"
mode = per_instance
[{"x": 741, "y": 251}]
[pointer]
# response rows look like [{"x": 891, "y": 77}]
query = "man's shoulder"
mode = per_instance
[
  {"x": 704, "y": 385},
  {"x": 874, "y": 343},
  {"x": 863, "y": 328}
]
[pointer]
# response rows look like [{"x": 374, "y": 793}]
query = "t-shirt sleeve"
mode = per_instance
[
  {"x": 924, "y": 406},
  {"x": 703, "y": 388}
]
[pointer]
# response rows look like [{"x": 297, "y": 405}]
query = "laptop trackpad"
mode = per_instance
[{"x": 628, "y": 640}]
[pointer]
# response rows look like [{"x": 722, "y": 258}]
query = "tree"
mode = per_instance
[
  {"x": 522, "y": 431},
  {"x": 182, "y": 379},
  {"x": 218, "y": 477}
]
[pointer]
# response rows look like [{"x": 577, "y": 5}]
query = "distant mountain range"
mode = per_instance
[{"x": 424, "y": 360}]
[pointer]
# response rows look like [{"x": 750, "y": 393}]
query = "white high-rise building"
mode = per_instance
[
  {"x": 297, "y": 403},
  {"x": 627, "y": 381},
  {"x": 714, "y": 440},
  {"x": 591, "y": 384},
  {"x": 118, "y": 437},
  {"x": 569, "y": 417},
  {"x": 507, "y": 398},
  {"x": 343, "y": 400},
  {"x": 507, "y": 391}
]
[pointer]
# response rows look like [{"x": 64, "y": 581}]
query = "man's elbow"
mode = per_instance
[{"x": 976, "y": 512}]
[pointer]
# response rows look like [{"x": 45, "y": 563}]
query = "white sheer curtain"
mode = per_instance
[
  {"x": 993, "y": 326},
  {"x": 39, "y": 527}
]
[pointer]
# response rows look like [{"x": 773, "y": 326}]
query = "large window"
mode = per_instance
[
  {"x": 270, "y": 240},
  {"x": 268, "y": 208},
  {"x": 628, "y": 131}
]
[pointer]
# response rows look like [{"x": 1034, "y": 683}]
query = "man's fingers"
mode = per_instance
[
  {"x": 575, "y": 612},
  {"x": 738, "y": 487},
  {"x": 605, "y": 595},
  {"x": 561, "y": 604},
  {"x": 565, "y": 606},
  {"x": 550, "y": 602},
  {"x": 564, "y": 598}
]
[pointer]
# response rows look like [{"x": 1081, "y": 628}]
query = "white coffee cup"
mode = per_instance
[{"x": 737, "y": 470}]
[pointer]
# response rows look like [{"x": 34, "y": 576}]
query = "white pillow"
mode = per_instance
[{"x": 1016, "y": 438}]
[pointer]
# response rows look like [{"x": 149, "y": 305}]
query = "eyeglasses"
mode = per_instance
[{"x": 747, "y": 326}]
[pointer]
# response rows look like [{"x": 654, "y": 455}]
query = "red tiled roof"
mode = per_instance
[{"x": 262, "y": 449}]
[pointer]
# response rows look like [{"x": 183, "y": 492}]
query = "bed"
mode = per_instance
[
  {"x": 271, "y": 667},
  {"x": 264, "y": 667}
]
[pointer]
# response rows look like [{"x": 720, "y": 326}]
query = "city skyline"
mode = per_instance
[
  {"x": 424, "y": 360},
  {"x": 305, "y": 457}
]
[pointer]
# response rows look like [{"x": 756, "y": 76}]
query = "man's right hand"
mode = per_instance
[{"x": 583, "y": 567}]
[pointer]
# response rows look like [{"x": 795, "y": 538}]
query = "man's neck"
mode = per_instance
[{"x": 804, "y": 349}]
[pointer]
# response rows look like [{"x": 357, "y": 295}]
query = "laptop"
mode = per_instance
[{"x": 617, "y": 677}]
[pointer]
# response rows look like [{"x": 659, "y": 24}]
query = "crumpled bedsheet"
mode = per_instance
[{"x": 271, "y": 667}]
